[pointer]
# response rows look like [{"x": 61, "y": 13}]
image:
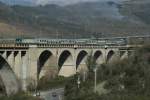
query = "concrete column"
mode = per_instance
[
  {"x": 33, "y": 59},
  {"x": 117, "y": 56},
  {"x": 17, "y": 64},
  {"x": 4, "y": 55},
  {"x": 105, "y": 55},
  {"x": 10, "y": 60},
  {"x": 74, "y": 59},
  {"x": 24, "y": 71}
]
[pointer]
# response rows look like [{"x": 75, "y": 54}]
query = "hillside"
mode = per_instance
[
  {"x": 137, "y": 9},
  {"x": 82, "y": 19}
]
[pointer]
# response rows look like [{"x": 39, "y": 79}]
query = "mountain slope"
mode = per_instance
[
  {"x": 109, "y": 18},
  {"x": 137, "y": 9}
]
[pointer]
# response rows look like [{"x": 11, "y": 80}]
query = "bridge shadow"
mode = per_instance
[
  {"x": 8, "y": 78},
  {"x": 66, "y": 64},
  {"x": 110, "y": 56},
  {"x": 43, "y": 58},
  {"x": 98, "y": 57},
  {"x": 63, "y": 58},
  {"x": 80, "y": 58}
]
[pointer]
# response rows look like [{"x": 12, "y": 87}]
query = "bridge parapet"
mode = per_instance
[{"x": 75, "y": 43}]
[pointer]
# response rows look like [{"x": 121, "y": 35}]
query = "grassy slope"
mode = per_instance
[{"x": 10, "y": 30}]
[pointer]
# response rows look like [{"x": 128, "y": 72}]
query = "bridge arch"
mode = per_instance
[
  {"x": 110, "y": 55},
  {"x": 81, "y": 60},
  {"x": 8, "y": 78},
  {"x": 46, "y": 64},
  {"x": 66, "y": 64},
  {"x": 98, "y": 57},
  {"x": 123, "y": 55}
]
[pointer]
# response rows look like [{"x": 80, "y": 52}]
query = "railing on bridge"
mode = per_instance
[{"x": 116, "y": 41}]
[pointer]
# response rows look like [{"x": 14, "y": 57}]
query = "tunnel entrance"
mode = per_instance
[
  {"x": 46, "y": 64},
  {"x": 81, "y": 61},
  {"x": 8, "y": 80}
]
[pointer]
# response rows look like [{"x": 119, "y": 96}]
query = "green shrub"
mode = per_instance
[
  {"x": 19, "y": 96},
  {"x": 128, "y": 79},
  {"x": 46, "y": 83},
  {"x": 124, "y": 96}
]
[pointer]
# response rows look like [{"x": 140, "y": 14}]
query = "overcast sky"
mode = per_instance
[
  {"x": 43, "y": 2},
  {"x": 67, "y": 1}
]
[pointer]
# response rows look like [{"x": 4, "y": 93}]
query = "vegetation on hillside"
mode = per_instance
[
  {"x": 128, "y": 79},
  {"x": 19, "y": 96},
  {"x": 78, "y": 19},
  {"x": 137, "y": 9},
  {"x": 52, "y": 83}
]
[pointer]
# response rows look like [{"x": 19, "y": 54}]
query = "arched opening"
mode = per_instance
[
  {"x": 2, "y": 52},
  {"x": 65, "y": 63},
  {"x": 81, "y": 60},
  {"x": 98, "y": 57},
  {"x": 45, "y": 63},
  {"x": 8, "y": 80},
  {"x": 65, "y": 57},
  {"x": 8, "y": 53},
  {"x": 110, "y": 56},
  {"x": 123, "y": 55}
]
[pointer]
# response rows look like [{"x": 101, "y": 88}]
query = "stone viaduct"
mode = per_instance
[{"x": 30, "y": 59}]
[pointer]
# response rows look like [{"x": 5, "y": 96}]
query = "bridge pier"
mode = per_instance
[
  {"x": 17, "y": 65},
  {"x": 32, "y": 67},
  {"x": 82, "y": 68},
  {"x": 24, "y": 70},
  {"x": 10, "y": 59},
  {"x": 4, "y": 55},
  {"x": 67, "y": 70},
  {"x": 8, "y": 77}
]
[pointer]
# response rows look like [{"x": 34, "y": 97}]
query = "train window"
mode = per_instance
[{"x": 18, "y": 40}]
